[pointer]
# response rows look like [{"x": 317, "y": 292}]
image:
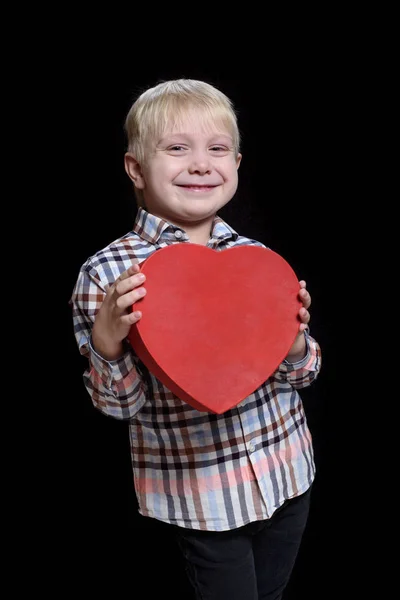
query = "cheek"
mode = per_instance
[
  {"x": 163, "y": 173},
  {"x": 230, "y": 170},
  {"x": 232, "y": 176}
]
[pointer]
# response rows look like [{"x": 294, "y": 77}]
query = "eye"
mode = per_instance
[
  {"x": 220, "y": 150},
  {"x": 176, "y": 148}
]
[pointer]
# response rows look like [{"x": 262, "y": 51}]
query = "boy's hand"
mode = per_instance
[
  {"x": 305, "y": 298},
  {"x": 115, "y": 316},
  {"x": 298, "y": 350}
]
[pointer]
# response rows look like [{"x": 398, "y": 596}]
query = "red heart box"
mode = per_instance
[{"x": 215, "y": 325}]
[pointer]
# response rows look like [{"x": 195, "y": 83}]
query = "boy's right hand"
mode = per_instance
[{"x": 115, "y": 316}]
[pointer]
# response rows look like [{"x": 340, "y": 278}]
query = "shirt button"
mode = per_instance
[
  {"x": 178, "y": 234},
  {"x": 251, "y": 447}
]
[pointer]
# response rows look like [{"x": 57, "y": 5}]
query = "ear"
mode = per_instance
[
  {"x": 134, "y": 171},
  {"x": 238, "y": 160}
]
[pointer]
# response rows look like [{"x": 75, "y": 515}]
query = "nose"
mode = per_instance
[{"x": 200, "y": 163}]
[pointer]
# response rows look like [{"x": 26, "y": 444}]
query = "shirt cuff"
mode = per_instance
[
  {"x": 111, "y": 371},
  {"x": 302, "y": 363}
]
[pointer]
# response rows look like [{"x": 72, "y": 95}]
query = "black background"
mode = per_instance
[
  {"x": 295, "y": 107},
  {"x": 288, "y": 184}
]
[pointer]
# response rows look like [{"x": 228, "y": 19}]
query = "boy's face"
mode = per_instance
[{"x": 189, "y": 174}]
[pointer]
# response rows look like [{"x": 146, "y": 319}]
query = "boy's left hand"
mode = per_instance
[
  {"x": 305, "y": 298},
  {"x": 298, "y": 350}
]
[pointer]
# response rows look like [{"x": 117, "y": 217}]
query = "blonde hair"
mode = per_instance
[{"x": 167, "y": 103}]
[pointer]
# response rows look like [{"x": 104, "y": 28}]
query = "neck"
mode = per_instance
[
  {"x": 199, "y": 235},
  {"x": 199, "y": 232}
]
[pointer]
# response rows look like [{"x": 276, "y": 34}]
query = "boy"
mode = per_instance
[{"x": 236, "y": 487}]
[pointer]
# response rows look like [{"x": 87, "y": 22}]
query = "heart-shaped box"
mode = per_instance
[{"x": 215, "y": 324}]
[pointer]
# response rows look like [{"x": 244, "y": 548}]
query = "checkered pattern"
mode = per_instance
[{"x": 195, "y": 469}]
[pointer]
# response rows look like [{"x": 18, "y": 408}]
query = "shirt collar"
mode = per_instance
[{"x": 153, "y": 229}]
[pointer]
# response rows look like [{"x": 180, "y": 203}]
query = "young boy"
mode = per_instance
[{"x": 236, "y": 487}]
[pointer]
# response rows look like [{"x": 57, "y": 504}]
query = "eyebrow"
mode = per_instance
[{"x": 188, "y": 136}]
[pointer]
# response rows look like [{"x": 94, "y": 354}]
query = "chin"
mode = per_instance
[{"x": 200, "y": 214}]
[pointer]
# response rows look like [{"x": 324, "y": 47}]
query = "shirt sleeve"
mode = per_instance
[
  {"x": 303, "y": 372},
  {"x": 115, "y": 387}
]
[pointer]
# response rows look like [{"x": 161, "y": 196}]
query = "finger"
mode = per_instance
[
  {"x": 131, "y": 318},
  {"x": 130, "y": 298},
  {"x": 302, "y": 283},
  {"x": 304, "y": 315},
  {"x": 305, "y": 298},
  {"x": 133, "y": 281},
  {"x": 129, "y": 272}
]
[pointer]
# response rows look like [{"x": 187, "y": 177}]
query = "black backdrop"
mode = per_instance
[{"x": 290, "y": 195}]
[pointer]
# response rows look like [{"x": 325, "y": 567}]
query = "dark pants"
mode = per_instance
[{"x": 253, "y": 562}]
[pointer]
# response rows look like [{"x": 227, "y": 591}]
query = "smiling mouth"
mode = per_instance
[{"x": 200, "y": 188}]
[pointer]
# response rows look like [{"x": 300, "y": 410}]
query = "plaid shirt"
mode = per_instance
[{"x": 196, "y": 469}]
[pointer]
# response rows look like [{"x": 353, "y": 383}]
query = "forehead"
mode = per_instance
[{"x": 197, "y": 121}]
